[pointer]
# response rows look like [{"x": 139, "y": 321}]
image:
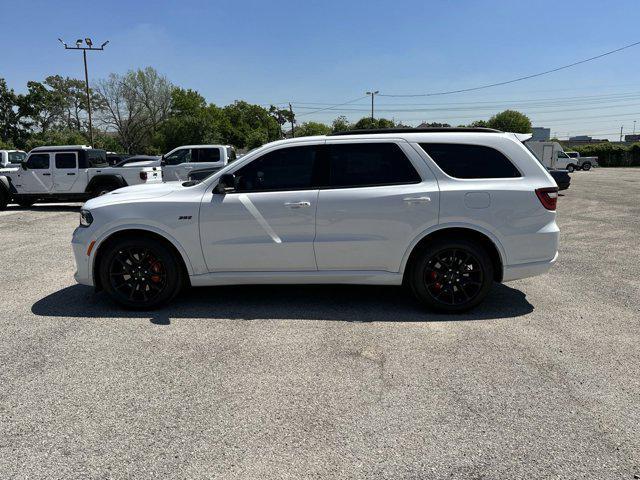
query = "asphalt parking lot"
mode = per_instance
[{"x": 542, "y": 381}]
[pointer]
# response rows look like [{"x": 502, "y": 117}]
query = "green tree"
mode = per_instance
[
  {"x": 340, "y": 124},
  {"x": 510, "y": 121},
  {"x": 247, "y": 125},
  {"x": 12, "y": 129},
  {"x": 308, "y": 129},
  {"x": 373, "y": 123}
]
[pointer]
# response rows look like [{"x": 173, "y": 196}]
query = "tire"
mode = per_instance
[
  {"x": 434, "y": 284},
  {"x": 4, "y": 199},
  {"x": 100, "y": 190},
  {"x": 140, "y": 273},
  {"x": 570, "y": 168},
  {"x": 586, "y": 166}
]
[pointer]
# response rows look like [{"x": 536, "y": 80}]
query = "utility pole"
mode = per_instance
[
  {"x": 89, "y": 46},
  {"x": 373, "y": 94},
  {"x": 293, "y": 128},
  {"x": 634, "y": 127},
  {"x": 621, "y": 132}
]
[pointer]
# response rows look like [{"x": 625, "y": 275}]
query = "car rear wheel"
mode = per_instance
[
  {"x": 140, "y": 273},
  {"x": 586, "y": 166},
  {"x": 451, "y": 275},
  {"x": 570, "y": 168}
]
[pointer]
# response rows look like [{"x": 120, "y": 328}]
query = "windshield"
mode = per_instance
[
  {"x": 562, "y": 155},
  {"x": 17, "y": 157}
]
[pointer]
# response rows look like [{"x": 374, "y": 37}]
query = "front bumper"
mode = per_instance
[{"x": 80, "y": 243}]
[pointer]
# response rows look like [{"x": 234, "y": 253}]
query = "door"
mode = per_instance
[
  {"x": 201, "y": 158},
  {"x": 378, "y": 200},
  {"x": 37, "y": 177},
  {"x": 65, "y": 171},
  {"x": 268, "y": 222},
  {"x": 174, "y": 167}
]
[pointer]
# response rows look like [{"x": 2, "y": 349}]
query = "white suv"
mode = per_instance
[{"x": 445, "y": 211}]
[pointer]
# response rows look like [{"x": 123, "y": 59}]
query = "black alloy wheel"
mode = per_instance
[
  {"x": 140, "y": 273},
  {"x": 451, "y": 275}
]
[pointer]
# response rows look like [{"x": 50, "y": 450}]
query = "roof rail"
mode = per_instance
[{"x": 365, "y": 131}]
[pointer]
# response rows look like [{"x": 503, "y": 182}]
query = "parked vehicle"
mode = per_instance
[
  {"x": 583, "y": 163},
  {"x": 11, "y": 158},
  {"x": 561, "y": 177},
  {"x": 114, "y": 158},
  {"x": 70, "y": 173},
  {"x": 179, "y": 162},
  {"x": 551, "y": 155},
  {"x": 445, "y": 211},
  {"x": 140, "y": 161}
]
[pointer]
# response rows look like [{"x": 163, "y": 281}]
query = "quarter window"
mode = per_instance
[
  {"x": 470, "y": 161},
  {"x": 285, "y": 169},
  {"x": 369, "y": 164},
  {"x": 38, "y": 161},
  {"x": 65, "y": 160}
]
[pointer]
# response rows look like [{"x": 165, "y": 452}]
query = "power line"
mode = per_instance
[
  {"x": 333, "y": 106},
  {"x": 519, "y": 79}
]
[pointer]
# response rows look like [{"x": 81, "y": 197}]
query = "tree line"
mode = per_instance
[{"x": 141, "y": 111}]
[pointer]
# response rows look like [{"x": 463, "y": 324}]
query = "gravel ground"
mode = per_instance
[{"x": 541, "y": 381}]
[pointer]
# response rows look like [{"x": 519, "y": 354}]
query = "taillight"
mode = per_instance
[
  {"x": 548, "y": 197},
  {"x": 143, "y": 176}
]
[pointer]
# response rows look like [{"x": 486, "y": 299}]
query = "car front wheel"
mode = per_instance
[
  {"x": 570, "y": 168},
  {"x": 451, "y": 275},
  {"x": 140, "y": 273}
]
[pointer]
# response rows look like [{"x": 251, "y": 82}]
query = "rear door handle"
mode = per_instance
[
  {"x": 416, "y": 200},
  {"x": 297, "y": 204},
  {"x": 70, "y": 173}
]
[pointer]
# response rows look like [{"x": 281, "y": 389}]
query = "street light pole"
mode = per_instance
[
  {"x": 89, "y": 46},
  {"x": 373, "y": 94}
]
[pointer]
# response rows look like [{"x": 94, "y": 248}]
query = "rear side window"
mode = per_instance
[
  {"x": 369, "y": 164},
  {"x": 207, "y": 155},
  {"x": 38, "y": 161},
  {"x": 65, "y": 160},
  {"x": 470, "y": 161},
  {"x": 285, "y": 169}
]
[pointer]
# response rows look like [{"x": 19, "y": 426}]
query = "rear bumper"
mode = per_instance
[{"x": 524, "y": 270}]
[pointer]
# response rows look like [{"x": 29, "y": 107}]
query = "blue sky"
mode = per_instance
[{"x": 316, "y": 54}]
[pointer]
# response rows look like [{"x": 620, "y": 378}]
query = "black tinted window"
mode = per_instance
[
  {"x": 207, "y": 155},
  {"x": 178, "y": 157},
  {"x": 285, "y": 169},
  {"x": 38, "y": 161},
  {"x": 66, "y": 160},
  {"x": 470, "y": 161},
  {"x": 367, "y": 164},
  {"x": 97, "y": 158}
]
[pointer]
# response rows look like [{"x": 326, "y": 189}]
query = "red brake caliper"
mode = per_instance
[
  {"x": 156, "y": 269},
  {"x": 437, "y": 286}
]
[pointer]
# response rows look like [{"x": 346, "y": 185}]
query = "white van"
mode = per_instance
[{"x": 551, "y": 155}]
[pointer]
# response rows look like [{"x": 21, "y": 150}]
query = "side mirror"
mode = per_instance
[{"x": 226, "y": 184}]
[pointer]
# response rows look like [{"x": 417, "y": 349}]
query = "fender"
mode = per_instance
[
  {"x": 5, "y": 184},
  {"x": 444, "y": 226},
  {"x": 106, "y": 179},
  {"x": 149, "y": 228}
]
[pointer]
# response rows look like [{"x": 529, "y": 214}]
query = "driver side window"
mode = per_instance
[
  {"x": 178, "y": 157},
  {"x": 38, "y": 161}
]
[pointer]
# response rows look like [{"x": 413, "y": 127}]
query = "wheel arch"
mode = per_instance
[
  {"x": 485, "y": 238},
  {"x": 110, "y": 179},
  {"x": 171, "y": 243}
]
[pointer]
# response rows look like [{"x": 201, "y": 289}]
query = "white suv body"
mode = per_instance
[{"x": 390, "y": 204}]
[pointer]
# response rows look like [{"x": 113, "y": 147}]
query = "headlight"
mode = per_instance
[{"x": 85, "y": 218}]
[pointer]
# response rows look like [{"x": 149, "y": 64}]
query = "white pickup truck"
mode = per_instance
[
  {"x": 70, "y": 173},
  {"x": 10, "y": 158},
  {"x": 182, "y": 161},
  {"x": 582, "y": 163}
]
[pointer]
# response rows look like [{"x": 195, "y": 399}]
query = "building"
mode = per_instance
[
  {"x": 632, "y": 138},
  {"x": 541, "y": 134},
  {"x": 580, "y": 138}
]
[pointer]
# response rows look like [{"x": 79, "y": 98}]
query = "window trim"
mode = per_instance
[{"x": 458, "y": 179}]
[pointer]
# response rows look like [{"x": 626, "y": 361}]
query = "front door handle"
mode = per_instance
[
  {"x": 416, "y": 200},
  {"x": 70, "y": 173},
  {"x": 297, "y": 204},
  {"x": 46, "y": 174}
]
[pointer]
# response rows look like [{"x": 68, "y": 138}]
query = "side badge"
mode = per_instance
[{"x": 184, "y": 217}]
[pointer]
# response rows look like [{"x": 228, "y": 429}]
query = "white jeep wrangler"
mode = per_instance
[{"x": 70, "y": 173}]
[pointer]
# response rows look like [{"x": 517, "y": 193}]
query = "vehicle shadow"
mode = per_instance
[{"x": 349, "y": 303}]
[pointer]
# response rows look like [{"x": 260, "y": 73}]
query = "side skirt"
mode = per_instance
[{"x": 283, "y": 278}]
